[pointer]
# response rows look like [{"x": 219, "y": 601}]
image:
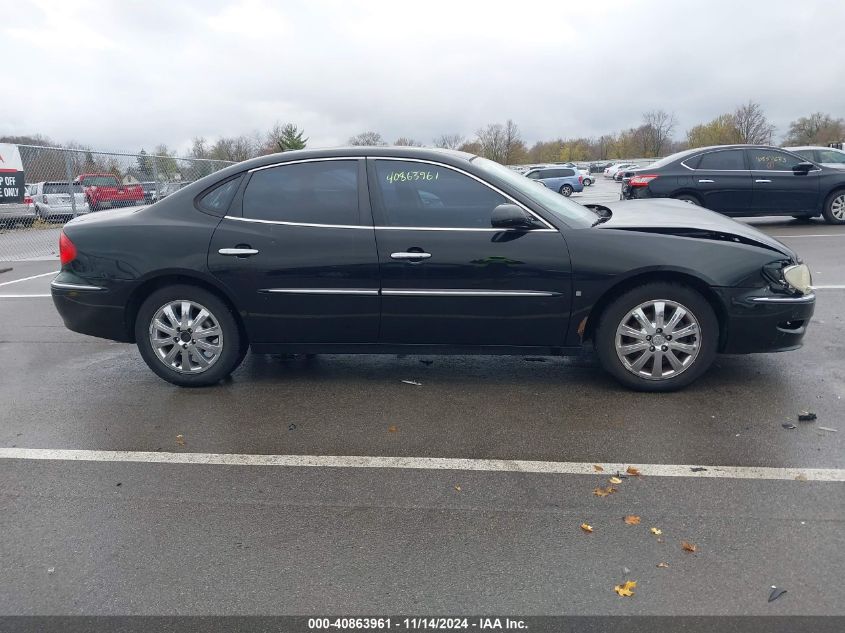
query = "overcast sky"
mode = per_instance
[{"x": 122, "y": 75}]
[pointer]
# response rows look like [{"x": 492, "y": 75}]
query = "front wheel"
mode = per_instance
[
  {"x": 657, "y": 337},
  {"x": 566, "y": 190},
  {"x": 188, "y": 336},
  {"x": 834, "y": 208}
]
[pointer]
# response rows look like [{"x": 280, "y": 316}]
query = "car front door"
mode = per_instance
[
  {"x": 723, "y": 181},
  {"x": 448, "y": 277},
  {"x": 778, "y": 188},
  {"x": 298, "y": 253}
]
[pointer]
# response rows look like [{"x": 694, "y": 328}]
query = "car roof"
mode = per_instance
[{"x": 836, "y": 149}]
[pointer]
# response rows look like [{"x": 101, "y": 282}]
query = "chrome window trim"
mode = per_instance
[
  {"x": 68, "y": 286},
  {"x": 549, "y": 226},
  {"x": 321, "y": 291},
  {"x": 467, "y": 293}
]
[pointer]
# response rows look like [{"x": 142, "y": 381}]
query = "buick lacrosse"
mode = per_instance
[{"x": 409, "y": 250}]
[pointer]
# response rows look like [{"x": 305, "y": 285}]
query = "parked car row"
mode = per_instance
[{"x": 744, "y": 180}]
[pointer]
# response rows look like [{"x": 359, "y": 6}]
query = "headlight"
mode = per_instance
[{"x": 798, "y": 277}]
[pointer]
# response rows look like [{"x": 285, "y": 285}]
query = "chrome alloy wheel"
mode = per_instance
[
  {"x": 186, "y": 336},
  {"x": 658, "y": 339},
  {"x": 837, "y": 207}
]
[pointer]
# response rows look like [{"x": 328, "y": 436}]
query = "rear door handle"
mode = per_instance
[
  {"x": 410, "y": 255},
  {"x": 238, "y": 252},
  {"x": 762, "y": 180},
  {"x": 705, "y": 180}
]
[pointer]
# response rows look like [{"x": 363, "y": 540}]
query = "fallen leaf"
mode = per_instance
[
  {"x": 698, "y": 469},
  {"x": 626, "y": 589},
  {"x": 633, "y": 471},
  {"x": 656, "y": 531},
  {"x": 392, "y": 428},
  {"x": 801, "y": 477},
  {"x": 663, "y": 565},
  {"x": 586, "y": 528},
  {"x": 776, "y": 593},
  {"x": 689, "y": 547},
  {"x": 603, "y": 492},
  {"x": 180, "y": 440},
  {"x": 615, "y": 480},
  {"x": 457, "y": 487},
  {"x": 598, "y": 468},
  {"x": 789, "y": 426},
  {"x": 631, "y": 519}
]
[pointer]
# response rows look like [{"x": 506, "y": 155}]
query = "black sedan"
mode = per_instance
[
  {"x": 406, "y": 250},
  {"x": 743, "y": 180}
]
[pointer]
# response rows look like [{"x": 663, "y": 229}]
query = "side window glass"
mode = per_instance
[
  {"x": 533, "y": 175},
  {"x": 771, "y": 160},
  {"x": 727, "y": 160},
  {"x": 567, "y": 172},
  {"x": 830, "y": 156},
  {"x": 319, "y": 192},
  {"x": 431, "y": 196},
  {"x": 217, "y": 200}
]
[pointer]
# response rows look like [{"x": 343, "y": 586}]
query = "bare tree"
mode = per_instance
[
  {"x": 656, "y": 131},
  {"x": 367, "y": 138},
  {"x": 404, "y": 141},
  {"x": 449, "y": 141},
  {"x": 752, "y": 126},
  {"x": 816, "y": 129},
  {"x": 501, "y": 143}
]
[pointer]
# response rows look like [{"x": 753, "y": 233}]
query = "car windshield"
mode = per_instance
[
  {"x": 100, "y": 181},
  {"x": 570, "y": 212}
]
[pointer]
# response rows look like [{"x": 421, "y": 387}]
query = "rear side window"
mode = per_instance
[
  {"x": 727, "y": 160},
  {"x": 320, "y": 192},
  {"x": 431, "y": 196},
  {"x": 217, "y": 200},
  {"x": 61, "y": 187},
  {"x": 829, "y": 156}
]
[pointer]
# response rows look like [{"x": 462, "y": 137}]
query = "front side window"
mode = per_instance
[
  {"x": 319, "y": 192},
  {"x": 432, "y": 196},
  {"x": 726, "y": 160},
  {"x": 831, "y": 156},
  {"x": 771, "y": 160}
]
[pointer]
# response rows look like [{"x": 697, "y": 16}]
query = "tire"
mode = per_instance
[
  {"x": 688, "y": 197},
  {"x": 588, "y": 182},
  {"x": 222, "y": 352},
  {"x": 701, "y": 342},
  {"x": 566, "y": 190},
  {"x": 834, "y": 208}
]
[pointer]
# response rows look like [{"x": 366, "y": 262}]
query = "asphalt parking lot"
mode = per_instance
[{"x": 172, "y": 504}]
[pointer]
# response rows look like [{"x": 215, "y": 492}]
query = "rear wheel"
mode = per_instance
[
  {"x": 657, "y": 337},
  {"x": 588, "y": 182},
  {"x": 834, "y": 208},
  {"x": 688, "y": 197},
  {"x": 566, "y": 190},
  {"x": 188, "y": 336}
]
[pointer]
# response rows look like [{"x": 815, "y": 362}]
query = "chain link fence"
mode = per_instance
[{"x": 62, "y": 183}]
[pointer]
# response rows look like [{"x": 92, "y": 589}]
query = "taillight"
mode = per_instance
[
  {"x": 27, "y": 200},
  {"x": 641, "y": 180},
  {"x": 67, "y": 250},
  {"x": 580, "y": 179}
]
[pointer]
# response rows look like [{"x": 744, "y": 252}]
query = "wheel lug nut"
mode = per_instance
[
  {"x": 651, "y": 349},
  {"x": 659, "y": 330},
  {"x": 665, "y": 347},
  {"x": 668, "y": 337},
  {"x": 648, "y": 338}
]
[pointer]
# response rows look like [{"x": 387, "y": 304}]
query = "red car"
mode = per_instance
[{"x": 105, "y": 191}]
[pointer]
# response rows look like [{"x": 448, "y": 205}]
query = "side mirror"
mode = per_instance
[
  {"x": 510, "y": 216},
  {"x": 803, "y": 168}
]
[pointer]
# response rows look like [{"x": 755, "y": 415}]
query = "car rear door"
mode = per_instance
[
  {"x": 448, "y": 277},
  {"x": 722, "y": 181},
  {"x": 777, "y": 187},
  {"x": 297, "y": 251}
]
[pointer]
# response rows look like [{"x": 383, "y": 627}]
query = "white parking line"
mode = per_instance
[
  {"x": 811, "y": 235},
  {"x": 425, "y": 463},
  {"x": 828, "y": 287},
  {"x": 22, "y": 296},
  {"x": 14, "y": 281}
]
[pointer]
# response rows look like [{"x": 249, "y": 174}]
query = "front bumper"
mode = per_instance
[{"x": 762, "y": 321}]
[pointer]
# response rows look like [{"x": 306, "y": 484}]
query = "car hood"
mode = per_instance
[{"x": 674, "y": 217}]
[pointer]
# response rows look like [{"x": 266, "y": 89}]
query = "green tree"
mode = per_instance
[{"x": 285, "y": 138}]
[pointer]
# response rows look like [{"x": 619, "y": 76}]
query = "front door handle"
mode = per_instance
[
  {"x": 762, "y": 180},
  {"x": 705, "y": 180},
  {"x": 238, "y": 252},
  {"x": 410, "y": 255}
]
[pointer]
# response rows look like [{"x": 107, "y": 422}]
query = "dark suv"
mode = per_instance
[{"x": 743, "y": 180}]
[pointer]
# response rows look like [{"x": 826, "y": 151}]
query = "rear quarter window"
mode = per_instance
[{"x": 217, "y": 200}]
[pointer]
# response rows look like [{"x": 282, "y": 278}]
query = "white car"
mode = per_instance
[
  {"x": 586, "y": 177},
  {"x": 826, "y": 156},
  {"x": 52, "y": 200},
  {"x": 610, "y": 172}
]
